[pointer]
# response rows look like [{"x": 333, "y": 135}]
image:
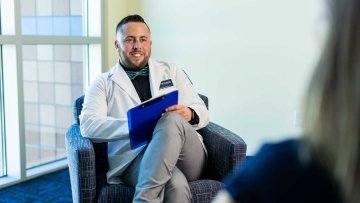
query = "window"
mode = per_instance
[
  {"x": 53, "y": 79},
  {"x": 52, "y": 17},
  {"x": 50, "y": 51}
]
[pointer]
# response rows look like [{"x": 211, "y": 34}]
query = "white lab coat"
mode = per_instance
[{"x": 104, "y": 114}]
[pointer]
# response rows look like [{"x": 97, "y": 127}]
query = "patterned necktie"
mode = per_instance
[{"x": 133, "y": 74}]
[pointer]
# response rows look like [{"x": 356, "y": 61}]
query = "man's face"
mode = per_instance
[{"x": 134, "y": 45}]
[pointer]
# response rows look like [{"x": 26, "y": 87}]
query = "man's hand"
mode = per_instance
[{"x": 182, "y": 110}]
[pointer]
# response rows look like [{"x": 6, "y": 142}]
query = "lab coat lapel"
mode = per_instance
[
  {"x": 156, "y": 76},
  {"x": 119, "y": 76}
]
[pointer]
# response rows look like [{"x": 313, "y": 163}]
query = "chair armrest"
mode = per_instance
[
  {"x": 81, "y": 160},
  {"x": 226, "y": 150}
]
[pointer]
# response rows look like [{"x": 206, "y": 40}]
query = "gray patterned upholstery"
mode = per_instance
[{"x": 88, "y": 164}]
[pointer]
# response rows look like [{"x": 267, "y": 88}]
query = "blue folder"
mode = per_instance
[{"x": 142, "y": 119}]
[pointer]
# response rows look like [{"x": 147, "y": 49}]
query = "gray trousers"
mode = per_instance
[{"x": 174, "y": 156}]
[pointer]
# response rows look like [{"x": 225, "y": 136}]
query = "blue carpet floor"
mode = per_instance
[{"x": 54, "y": 187}]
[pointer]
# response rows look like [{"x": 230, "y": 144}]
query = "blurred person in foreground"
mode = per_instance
[{"x": 324, "y": 164}]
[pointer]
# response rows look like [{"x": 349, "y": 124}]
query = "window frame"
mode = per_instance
[
  {"x": 16, "y": 165},
  {"x": 2, "y": 119}
]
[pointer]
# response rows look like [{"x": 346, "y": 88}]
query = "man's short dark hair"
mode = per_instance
[{"x": 128, "y": 19}]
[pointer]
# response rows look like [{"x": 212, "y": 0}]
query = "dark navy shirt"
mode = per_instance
[
  {"x": 141, "y": 84},
  {"x": 277, "y": 174}
]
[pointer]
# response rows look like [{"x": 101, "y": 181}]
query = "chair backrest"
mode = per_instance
[
  {"x": 205, "y": 99},
  {"x": 78, "y": 105},
  {"x": 100, "y": 149}
]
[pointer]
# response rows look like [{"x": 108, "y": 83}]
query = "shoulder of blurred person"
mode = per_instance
[{"x": 281, "y": 172}]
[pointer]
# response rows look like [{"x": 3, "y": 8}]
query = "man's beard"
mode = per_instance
[{"x": 125, "y": 61}]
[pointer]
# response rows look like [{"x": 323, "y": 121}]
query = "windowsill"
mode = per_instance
[
  {"x": 34, "y": 173},
  {"x": 45, "y": 169},
  {"x": 7, "y": 181}
]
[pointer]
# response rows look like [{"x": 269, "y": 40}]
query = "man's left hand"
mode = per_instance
[{"x": 182, "y": 110}]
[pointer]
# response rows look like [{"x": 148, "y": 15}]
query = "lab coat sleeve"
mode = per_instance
[
  {"x": 94, "y": 120},
  {"x": 189, "y": 97}
]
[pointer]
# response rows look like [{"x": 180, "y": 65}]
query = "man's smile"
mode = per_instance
[{"x": 136, "y": 54}]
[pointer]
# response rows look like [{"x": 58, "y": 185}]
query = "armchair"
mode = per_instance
[{"x": 88, "y": 164}]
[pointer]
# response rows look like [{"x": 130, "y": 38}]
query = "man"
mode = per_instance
[{"x": 160, "y": 170}]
